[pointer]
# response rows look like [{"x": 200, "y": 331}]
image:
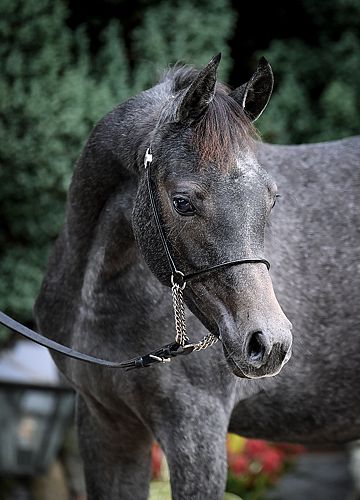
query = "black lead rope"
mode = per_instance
[
  {"x": 165, "y": 352},
  {"x": 178, "y": 280}
]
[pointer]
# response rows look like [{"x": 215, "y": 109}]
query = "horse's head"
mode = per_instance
[{"x": 214, "y": 200}]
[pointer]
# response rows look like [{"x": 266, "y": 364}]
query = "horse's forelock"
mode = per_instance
[{"x": 223, "y": 129}]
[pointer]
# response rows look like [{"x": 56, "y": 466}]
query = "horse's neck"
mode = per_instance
[
  {"x": 96, "y": 270},
  {"x": 107, "y": 293},
  {"x": 116, "y": 278},
  {"x": 112, "y": 157},
  {"x": 104, "y": 184}
]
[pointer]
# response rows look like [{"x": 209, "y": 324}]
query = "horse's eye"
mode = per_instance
[{"x": 183, "y": 206}]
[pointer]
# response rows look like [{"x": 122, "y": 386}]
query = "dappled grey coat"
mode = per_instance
[{"x": 106, "y": 290}]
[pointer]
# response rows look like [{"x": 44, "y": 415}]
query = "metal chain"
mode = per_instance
[
  {"x": 180, "y": 323},
  {"x": 205, "y": 342},
  {"x": 179, "y": 313}
]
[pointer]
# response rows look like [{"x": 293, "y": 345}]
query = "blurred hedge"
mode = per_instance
[
  {"x": 317, "y": 85},
  {"x": 52, "y": 91}
]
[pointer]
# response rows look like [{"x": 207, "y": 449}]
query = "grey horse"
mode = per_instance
[{"x": 107, "y": 292}]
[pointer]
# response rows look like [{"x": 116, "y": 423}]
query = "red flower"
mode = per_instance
[
  {"x": 156, "y": 457},
  {"x": 239, "y": 465},
  {"x": 254, "y": 447},
  {"x": 271, "y": 461}
]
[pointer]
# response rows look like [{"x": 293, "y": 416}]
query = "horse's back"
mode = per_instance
[
  {"x": 314, "y": 231},
  {"x": 313, "y": 244}
]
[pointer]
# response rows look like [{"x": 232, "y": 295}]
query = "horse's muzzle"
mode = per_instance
[{"x": 260, "y": 355}]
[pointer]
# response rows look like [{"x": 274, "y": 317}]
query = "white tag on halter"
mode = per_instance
[{"x": 148, "y": 157}]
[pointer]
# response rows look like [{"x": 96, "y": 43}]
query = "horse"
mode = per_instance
[{"x": 216, "y": 204}]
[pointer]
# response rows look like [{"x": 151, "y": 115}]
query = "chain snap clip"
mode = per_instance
[{"x": 177, "y": 279}]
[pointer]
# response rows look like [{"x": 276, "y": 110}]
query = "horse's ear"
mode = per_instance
[
  {"x": 200, "y": 93},
  {"x": 254, "y": 95}
]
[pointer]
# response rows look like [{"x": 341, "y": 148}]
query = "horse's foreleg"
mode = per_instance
[
  {"x": 116, "y": 453},
  {"x": 195, "y": 448}
]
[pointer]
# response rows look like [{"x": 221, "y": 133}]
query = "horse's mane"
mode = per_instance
[{"x": 224, "y": 127}]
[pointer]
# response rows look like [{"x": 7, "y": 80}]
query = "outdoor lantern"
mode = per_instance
[{"x": 35, "y": 409}]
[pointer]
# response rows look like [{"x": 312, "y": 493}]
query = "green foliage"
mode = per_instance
[
  {"x": 194, "y": 31},
  {"x": 317, "y": 92},
  {"x": 47, "y": 106},
  {"x": 52, "y": 91},
  {"x": 160, "y": 490}
]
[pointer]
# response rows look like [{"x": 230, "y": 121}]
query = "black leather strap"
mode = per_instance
[
  {"x": 196, "y": 274},
  {"x": 17, "y": 327},
  {"x": 170, "y": 260},
  {"x": 167, "y": 351}
]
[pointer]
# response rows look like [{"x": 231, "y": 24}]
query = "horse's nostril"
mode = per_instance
[{"x": 256, "y": 347}]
